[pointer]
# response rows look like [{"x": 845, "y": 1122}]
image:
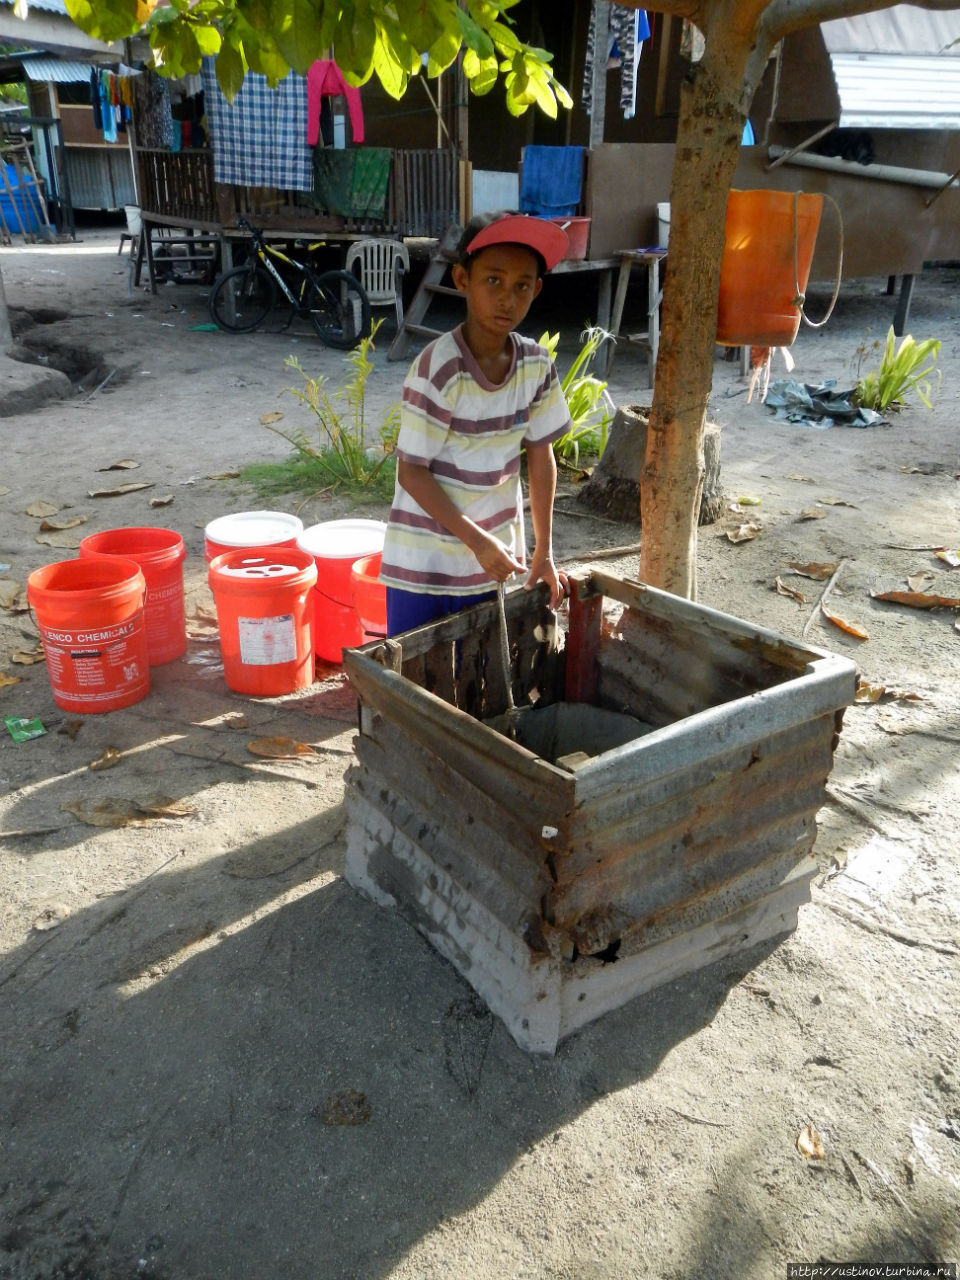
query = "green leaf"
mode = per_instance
[
  {"x": 543, "y": 95},
  {"x": 354, "y": 41},
  {"x": 391, "y": 74},
  {"x": 231, "y": 68},
  {"x": 484, "y": 77},
  {"x": 299, "y": 34},
  {"x": 473, "y": 35},
  {"x": 106, "y": 20},
  {"x": 209, "y": 40}
]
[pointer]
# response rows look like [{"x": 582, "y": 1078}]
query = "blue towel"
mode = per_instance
[{"x": 551, "y": 178}]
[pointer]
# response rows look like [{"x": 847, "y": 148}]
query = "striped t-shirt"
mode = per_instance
[{"x": 469, "y": 432}]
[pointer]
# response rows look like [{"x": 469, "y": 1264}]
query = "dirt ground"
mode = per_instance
[{"x": 218, "y": 1060}]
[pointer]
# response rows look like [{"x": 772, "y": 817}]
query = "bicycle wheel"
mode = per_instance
[
  {"x": 242, "y": 299},
  {"x": 339, "y": 308}
]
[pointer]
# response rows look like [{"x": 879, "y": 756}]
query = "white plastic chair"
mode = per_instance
[{"x": 382, "y": 267}]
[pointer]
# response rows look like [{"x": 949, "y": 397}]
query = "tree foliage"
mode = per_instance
[{"x": 391, "y": 39}]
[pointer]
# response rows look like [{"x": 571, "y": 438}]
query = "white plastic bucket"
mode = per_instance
[{"x": 243, "y": 529}]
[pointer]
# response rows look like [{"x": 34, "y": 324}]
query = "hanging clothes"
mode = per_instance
[
  {"x": 619, "y": 46},
  {"x": 258, "y": 140},
  {"x": 154, "y": 117},
  {"x": 325, "y": 80}
]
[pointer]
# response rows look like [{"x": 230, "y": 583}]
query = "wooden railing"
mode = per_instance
[
  {"x": 178, "y": 184},
  {"x": 422, "y": 195}
]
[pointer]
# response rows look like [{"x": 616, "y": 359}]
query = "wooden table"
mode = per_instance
[{"x": 650, "y": 337}]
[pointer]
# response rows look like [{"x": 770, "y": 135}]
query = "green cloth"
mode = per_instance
[{"x": 352, "y": 182}]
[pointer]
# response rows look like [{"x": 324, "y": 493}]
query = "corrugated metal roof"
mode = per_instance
[
  {"x": 901, "y": 29},
  {"x": 53, "y": 69},
  {"x": 896, "y": 69},
  {"x": 895, "y": 91},
  {"x": 48, "y": 6}
]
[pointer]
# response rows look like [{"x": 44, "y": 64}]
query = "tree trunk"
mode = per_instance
[
  {"x": 614, "y": 488},
  {"x": 713, "y": 106}
]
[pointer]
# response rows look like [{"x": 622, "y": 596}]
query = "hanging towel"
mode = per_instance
[
  {"x": 352, "y": 183},
  {"x": 551, "y": 179},
  {"x": 258, "y": 140},
  {"x": 325, "y": 80}
]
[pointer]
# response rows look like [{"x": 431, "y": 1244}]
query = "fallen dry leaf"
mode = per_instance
[
  {"x": 4, "y": 490},
  {"x": 784, "y": 590},
  {"x": 743, "y": 533},
  {"x": 746, "y": 501},
  {"x": 811, "y": 513},
  {"x": 224, "y": 475},
  {"x": 41, "y": 509},
  {"x": 917, "y": 581},
  {"x": 952, "y": 558},
  {"x": 237, "y": 721},
  {"x": 917, "y": 599},
  {"x": 6, "y": 681},
  {"x": 279, "y": 748},
  {"x": 162, "y": 502},
  {"x": 71, "y": 728},
  {"x": 125, "y": 812},
  {"x": 9, "y": 590},
  {"x": 52, "y": 916},
  {"x": 801, "y": 479},
  {"x": 27, "y": 657},
  {"x": 850, "y": 627},
  {"x": 52, "y": 526},
  {"x": 819, "y": 572},
  {"x": 132, "y": 487},
  {"x": 267, "y": 418},
  {"x": 867, "y": 692},
  {"x": 110, "y": 759},
  {"x": 837, "y": 502},
  {"x": 124, "y": 464},
  {"x": 64, "y": 540},
  {"x": 810, "y": 1144}
]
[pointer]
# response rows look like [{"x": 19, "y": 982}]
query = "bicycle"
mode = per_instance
[{"x": 334, "y": 302}]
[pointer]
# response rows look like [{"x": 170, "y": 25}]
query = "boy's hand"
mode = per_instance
[
  {"x": 542, "y": 569},
  {"x": 495, "y": 560}
]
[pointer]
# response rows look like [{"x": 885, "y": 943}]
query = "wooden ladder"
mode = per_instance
[{"x": 443, "y": 257}]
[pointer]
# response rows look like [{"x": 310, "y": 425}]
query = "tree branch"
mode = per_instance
[{"x": 783, "y": 17}]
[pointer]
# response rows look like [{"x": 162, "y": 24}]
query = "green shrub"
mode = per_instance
[
  {"x": 591, "y": 409},
  {"x": 902, "y": 369}
]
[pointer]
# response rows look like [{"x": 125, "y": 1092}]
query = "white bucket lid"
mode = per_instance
[
  {"x": 253, "y": 528},
  {"x": 343, "y": 539},
  {"x": 259, "y": 567}
]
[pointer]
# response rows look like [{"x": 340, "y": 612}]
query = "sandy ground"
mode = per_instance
[{"x": 183, "y": 1053}]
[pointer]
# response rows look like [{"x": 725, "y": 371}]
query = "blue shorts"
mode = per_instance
[{"x": 409, "y": 609}]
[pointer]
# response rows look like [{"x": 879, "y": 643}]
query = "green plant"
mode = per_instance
[
  {"x": 587, "y": 399},
  {"x": 902, "y": 369},
  {"x": 340, "y": 455}
]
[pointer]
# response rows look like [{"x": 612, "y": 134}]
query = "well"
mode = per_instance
[{"x": 563, "y": 884}]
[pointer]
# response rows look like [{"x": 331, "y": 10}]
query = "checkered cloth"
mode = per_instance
[{"x": 261, "y": 139}]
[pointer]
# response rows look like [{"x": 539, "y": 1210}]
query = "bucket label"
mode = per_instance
[{"x": 267, "y": 642}]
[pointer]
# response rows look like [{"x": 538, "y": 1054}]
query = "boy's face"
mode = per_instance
[{"x": 499, "y": 285}]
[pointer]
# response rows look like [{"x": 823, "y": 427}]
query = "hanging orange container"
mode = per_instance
[{"x": 768, "y": 249}]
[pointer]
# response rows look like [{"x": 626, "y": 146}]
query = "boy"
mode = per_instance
[{"x": 470, "y": 402}]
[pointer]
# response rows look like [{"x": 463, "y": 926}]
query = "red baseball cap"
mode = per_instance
[{"x": 545, "y": 238}]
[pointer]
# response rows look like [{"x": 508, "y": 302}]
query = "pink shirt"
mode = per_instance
[{"x": 324, "y": 79}]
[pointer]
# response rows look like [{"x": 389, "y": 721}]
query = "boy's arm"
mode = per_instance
[
  {"x": 492, "y": 555},
  {"x": 542, "y": 480}
]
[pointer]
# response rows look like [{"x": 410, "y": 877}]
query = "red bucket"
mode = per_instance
[
  {"x": 91, "y": 621},
  {"x": 335, "y": 546},
  {"x": 265, "y": 612},
  {"x": 160, "y": 553},
  {"x": 369, "y": 598}
]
